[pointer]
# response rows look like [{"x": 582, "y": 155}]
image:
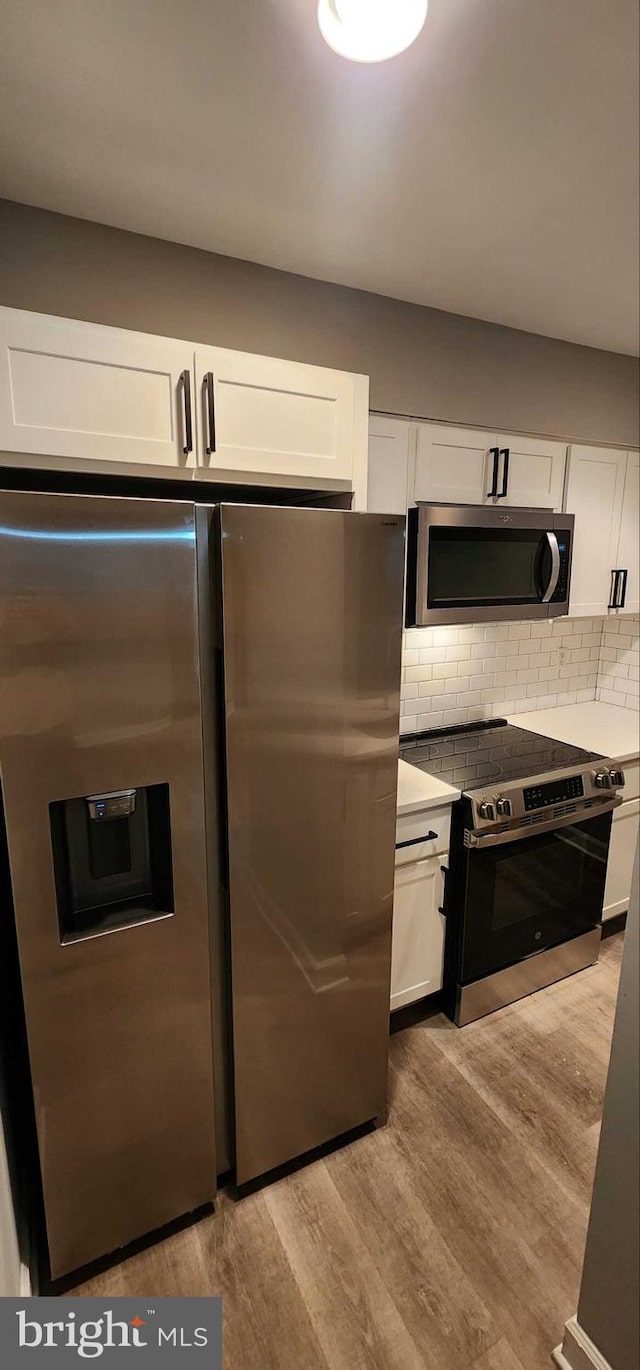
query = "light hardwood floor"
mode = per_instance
[{"x": 451, "y": 1239}]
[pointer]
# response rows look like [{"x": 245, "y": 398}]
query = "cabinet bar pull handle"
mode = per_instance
[
  {"x": 211, "y": 412},
  {"x": 495, "y": 453},
  {"x": 413, "y": 841},
  {"x": 614, "y": 590},
  {"x": 443, "y": 907},
  {"x": 185, "y": 382},
  {"x": 623, "y": 590},
  {"x": 504, "y": 452}
]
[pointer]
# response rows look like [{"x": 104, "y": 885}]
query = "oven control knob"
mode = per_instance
[
  {"x": 617, "y": 778},
  {"x": 602, "y": 780},
  {"x": 486, "y": 809},
  {"x": 504, "y": 807}
]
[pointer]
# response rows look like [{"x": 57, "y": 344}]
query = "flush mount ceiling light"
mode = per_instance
[{"x": 371, "y": 30}]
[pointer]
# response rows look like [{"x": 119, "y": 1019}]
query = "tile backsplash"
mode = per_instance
[
  {"x": 461, "y": 675},
  {"x": 619, "y": 668}
]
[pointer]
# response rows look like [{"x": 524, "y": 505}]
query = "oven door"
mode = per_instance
[{"x": 529, "y": 893}]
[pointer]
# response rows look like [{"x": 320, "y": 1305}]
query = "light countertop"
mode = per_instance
[
  {"x": 598, "y": 727},
  {"x": 417, "y": 791}
]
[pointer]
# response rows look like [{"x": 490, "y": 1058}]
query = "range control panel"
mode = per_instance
[
  {"x": 553, "y": 792},
  {"x": 526, "y": 804}
]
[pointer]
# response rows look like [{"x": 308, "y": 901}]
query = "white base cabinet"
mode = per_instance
[
  {"x": 622, "y": 848},
  {"x": 418, "y": 931},
  {"x": 622, "y": 851},
  {"x": 87, "y": 395}
]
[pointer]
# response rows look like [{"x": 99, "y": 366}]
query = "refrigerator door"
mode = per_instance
[
  {"x": 101, "y": 769},
  {"x": 312, "y": 606}
]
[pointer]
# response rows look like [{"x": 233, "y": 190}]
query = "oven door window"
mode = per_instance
[
  {"x": 536, "y": 892},
  {"x": 485, "y": 566}
]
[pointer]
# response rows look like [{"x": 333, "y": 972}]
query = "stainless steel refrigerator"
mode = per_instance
[{"x": 199, "y": 712}]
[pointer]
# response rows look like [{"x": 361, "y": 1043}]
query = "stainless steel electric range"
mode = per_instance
[{"x": 527, "y": 862}]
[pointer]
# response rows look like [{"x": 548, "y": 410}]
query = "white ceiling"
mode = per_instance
[{"x": 491, "y": 170}]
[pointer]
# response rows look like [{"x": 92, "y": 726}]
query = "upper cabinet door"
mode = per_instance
[
  {"x": 594, "y": 494},
  {"x": 629, "y": 542},
  {"x": 263, "y": 415},
  {"x": 83, "y": 391},
  {"x": 453, "y": 465},
  {"x": 388, "y": 469},
  {"x": 531, "y": 472}
]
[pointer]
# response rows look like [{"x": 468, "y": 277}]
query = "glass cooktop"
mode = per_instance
[{"x": 472, "y": 757}]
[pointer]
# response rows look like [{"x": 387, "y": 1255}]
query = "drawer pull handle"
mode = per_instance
[{"x": 413, "y": 841}]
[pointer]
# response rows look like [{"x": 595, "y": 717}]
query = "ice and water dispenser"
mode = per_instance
[{"x": 112, "y": 859}]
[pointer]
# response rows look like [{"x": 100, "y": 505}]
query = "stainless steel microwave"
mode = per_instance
[{"x": 472, "y": 565}]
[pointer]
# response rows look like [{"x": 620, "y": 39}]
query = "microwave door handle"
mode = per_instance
[{"x": 555, "y": 567}]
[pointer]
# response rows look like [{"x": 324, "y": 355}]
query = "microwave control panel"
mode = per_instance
[{"x": 561, "y": 590}]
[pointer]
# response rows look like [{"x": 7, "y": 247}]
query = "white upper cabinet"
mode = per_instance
[
  {"x": 595, "y": 492},
  {"x": 388, "y": 466},
  {"x": 271, "y": 417},
  {"x": 465, "y": 466},
  {"x": 628, "y": 554},
  {"x": 88, "y": 394},
  {"x": 453, "y": 465},
  {"x": 83, "y": 391},
  {"x": 531, "y": 470}
]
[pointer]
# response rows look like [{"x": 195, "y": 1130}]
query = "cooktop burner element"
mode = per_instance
[{"x": 496, "y": 752}]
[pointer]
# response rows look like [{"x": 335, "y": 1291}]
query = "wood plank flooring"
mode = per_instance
[{"x": 451, "y": 1239}]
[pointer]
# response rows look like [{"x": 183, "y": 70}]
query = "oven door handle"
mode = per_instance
[
  {"x": 555, "y": 567},
  {"x": 478, "y": 840}
]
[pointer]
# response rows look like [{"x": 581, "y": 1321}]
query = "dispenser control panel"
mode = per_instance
[{"x": 116, "y": 804}]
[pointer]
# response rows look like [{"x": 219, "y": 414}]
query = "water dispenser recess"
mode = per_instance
[{"x": 112, "y": 859}]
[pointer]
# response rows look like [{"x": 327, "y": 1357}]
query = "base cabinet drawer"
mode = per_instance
[
  {"x": 422, "y": 834},
  {"x": 622, "y": 850},
  {"x": 418, "y": 931}
]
